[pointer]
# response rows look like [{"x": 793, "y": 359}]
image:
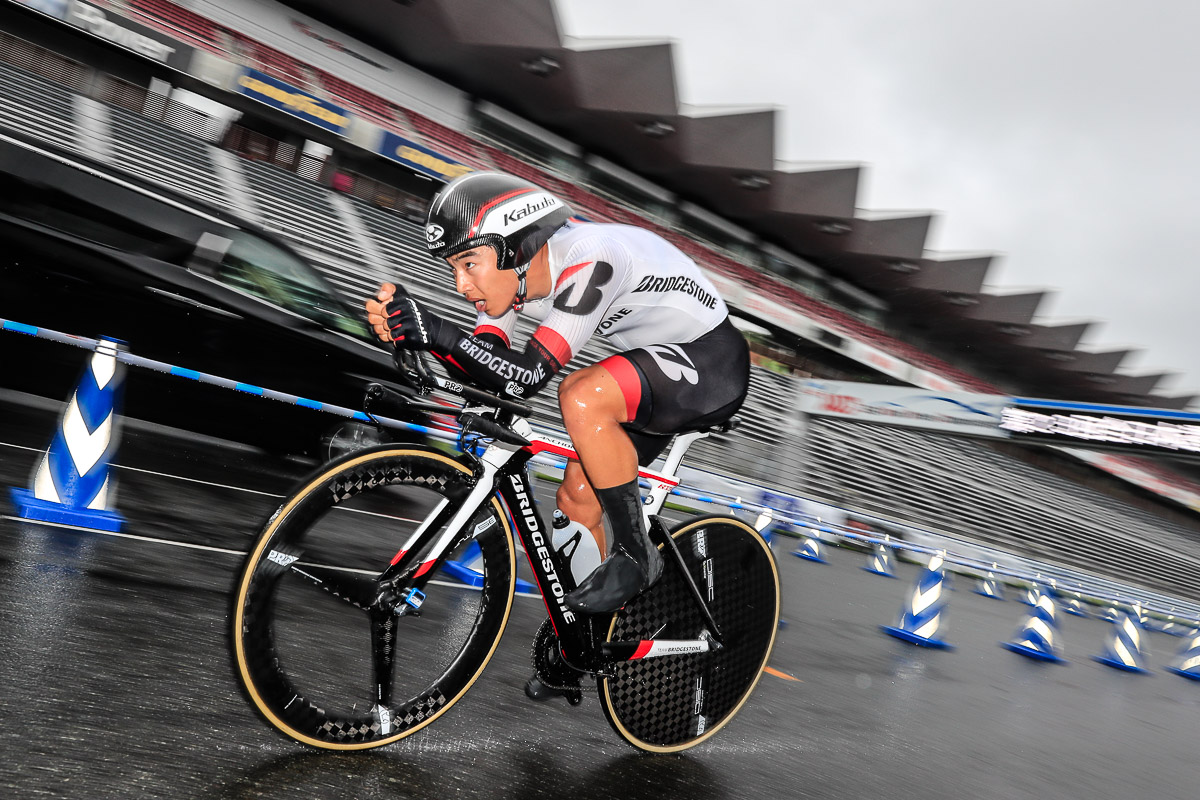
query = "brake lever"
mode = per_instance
[{"x": 409, "y": 364}]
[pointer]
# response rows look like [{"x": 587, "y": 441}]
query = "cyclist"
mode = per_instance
[{"x": 515, "y": 248}]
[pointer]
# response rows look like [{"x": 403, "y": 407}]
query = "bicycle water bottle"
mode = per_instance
[{"x": 575, "y": 543}]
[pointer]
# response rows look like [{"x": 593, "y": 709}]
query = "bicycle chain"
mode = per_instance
[{"x": 550, "y": 668}]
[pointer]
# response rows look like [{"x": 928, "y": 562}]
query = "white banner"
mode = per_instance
[{"x": 950, "y": 412}]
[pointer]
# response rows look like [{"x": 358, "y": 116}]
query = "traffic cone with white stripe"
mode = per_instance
[
  {"x": 1031, "y": 593},
  {"x": 1037, "y": 638},
  {"x": 1187, "y": 663},
  {"x": 72, "y": 484},
  {"x": 879, "y": 559},
  {"x": 1073, "y": 605},
  {"x": 921, "y": 616},
  {"x": 1124, "y": 650},
  {"x": 989, "y": 586},
  {"x": 810, "y": 548}
]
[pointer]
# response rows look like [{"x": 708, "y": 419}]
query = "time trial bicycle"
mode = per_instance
[{"x": 348, "y": 635}]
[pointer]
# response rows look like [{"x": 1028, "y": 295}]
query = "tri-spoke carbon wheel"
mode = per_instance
[{"x": 334, "y": 658}]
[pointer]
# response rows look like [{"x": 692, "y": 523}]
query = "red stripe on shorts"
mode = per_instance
[{"x": 630, "y": 383}]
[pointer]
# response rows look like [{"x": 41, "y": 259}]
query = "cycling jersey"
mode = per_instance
[
  {"x": 619, "y": 282},
  {"x": 616, "y": 281}
]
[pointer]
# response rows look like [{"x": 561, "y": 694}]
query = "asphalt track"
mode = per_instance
[{"x": 116, "y": 679}]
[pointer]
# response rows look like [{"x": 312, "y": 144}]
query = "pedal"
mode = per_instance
[{"x": 539, "y": 692}]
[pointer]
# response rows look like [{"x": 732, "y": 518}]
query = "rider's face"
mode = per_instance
[{"x": 476, "y": 278}]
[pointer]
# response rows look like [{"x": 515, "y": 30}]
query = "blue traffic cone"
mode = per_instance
[
  {"x": 1073, "y": 605},
  {"x": 810, "y": 548},
  {"x": 989, "y": 586},
  {"x": 1187, "y": 662},
  {"x": 920, "y": 618},
  {"x": 1036, "y": 638},
  {"x": 469, "y": 570},
  {"x": 1174, "y": 626},
  {"x": 879, "y": 560},
  {"x": 1029, "y": 596},
  {"x": 72, "y": 484},
  {"x": 1124, "y": 649}
]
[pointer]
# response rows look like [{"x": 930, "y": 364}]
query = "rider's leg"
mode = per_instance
[
  {"x": 577, "y": 500},
  {"x": 593, "y": 407}
]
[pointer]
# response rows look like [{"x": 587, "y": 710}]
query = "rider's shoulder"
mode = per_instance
[{"x": 596, "y": 241}]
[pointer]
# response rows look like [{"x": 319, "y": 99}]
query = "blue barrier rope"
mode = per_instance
[{"x": 126, "y": 357}]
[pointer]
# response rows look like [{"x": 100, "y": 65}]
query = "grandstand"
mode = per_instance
[{"x": 352, "y": 213}]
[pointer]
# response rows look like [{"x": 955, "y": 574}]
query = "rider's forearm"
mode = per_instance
[{"x": 491, "y": 365}]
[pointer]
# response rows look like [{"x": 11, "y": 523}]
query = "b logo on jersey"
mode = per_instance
[
  {"x": 673, "y": 362},
  {"x": 434, "y": 233}
]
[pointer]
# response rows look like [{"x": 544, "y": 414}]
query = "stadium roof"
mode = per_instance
[{"x": 618, "y": 98}]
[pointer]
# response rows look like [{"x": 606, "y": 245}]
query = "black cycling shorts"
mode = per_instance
[{"x": 673, "y": 388}]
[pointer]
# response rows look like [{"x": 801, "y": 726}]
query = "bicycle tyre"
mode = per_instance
[
  {"x": 672, "y": 703},
  {"x": 297, "y": 648}
]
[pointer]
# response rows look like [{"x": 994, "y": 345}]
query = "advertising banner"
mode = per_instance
[
  {"x": 277, "y": 94},
  {"x": 52, "y": 8},
  {"x": 949, "y": 412},
  {"x": 128, "y": 34},
  {"x": 420, "y": 158},
  {"x": 877, "y": 359}
]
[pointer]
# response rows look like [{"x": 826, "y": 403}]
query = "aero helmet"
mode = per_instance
[{"x": 512, "y": 215}]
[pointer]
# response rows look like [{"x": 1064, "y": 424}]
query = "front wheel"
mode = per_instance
[
  {"x": 330, "y": 656},
  {"x": 671, "y": 703}
]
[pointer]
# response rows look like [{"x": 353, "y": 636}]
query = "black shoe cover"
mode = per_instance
[{"x": 615, "y": 582}]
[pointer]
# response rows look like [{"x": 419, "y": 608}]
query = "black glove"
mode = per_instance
[{"x": 413, "y": 327}]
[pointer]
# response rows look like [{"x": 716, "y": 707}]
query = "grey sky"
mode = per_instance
[{"x": 1064, "y": 136}]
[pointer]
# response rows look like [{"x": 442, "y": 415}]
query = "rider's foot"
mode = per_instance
[
  {"x": 634, "y": 564},
  {"x": 536, "y": 690},
  {"x": 617, "y": 580}
]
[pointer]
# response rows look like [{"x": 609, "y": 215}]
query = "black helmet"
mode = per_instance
[{"x": 512, "y": 215}]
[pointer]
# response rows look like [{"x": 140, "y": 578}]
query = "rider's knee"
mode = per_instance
[{"x": 583, "y": 397}]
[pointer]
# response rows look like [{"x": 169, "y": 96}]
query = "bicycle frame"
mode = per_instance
[{"x": 501, "y": 470}]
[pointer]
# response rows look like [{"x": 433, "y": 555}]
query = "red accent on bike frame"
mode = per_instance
[
  {"x": 569, "y": 271},
  {"x": 428, "y": 565},
  {"x": 542, "y": 446},
  {"x": 554, "y": 343},
  {"x": 397, "y": 557},
  {"x": 642, "y": 649},
  {"x": 630, "y": 384},
  {"x": 488, "y": 207},
  {"x": 493, "y": 329}
]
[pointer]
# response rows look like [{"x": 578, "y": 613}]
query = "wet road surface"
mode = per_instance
[{"x": 117, "y": 681}]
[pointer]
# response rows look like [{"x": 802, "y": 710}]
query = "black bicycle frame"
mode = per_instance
[{"x": 553, "y": 577}]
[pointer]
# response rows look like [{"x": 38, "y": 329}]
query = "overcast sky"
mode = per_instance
[{"x": 1061, "y": 135}]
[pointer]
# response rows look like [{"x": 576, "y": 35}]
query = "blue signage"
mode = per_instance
[
  {"x": 420, "y": 158},
  {"x": 278, "y": 94}
]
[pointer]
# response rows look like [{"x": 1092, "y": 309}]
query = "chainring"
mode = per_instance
[{"x": 552, "y": 670}]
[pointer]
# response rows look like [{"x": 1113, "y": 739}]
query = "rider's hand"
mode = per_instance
[
  {"x": 377, "y": 312},
  {"x": 412, "y": 326}
]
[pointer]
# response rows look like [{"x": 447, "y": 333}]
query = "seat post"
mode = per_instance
[{"x": 678, "y": 447}]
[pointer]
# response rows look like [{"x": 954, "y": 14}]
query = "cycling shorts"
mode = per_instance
[{"x": 673, "y": 388}]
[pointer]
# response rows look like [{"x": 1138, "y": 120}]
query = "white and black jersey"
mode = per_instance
[{"x": 623, "y": 283}]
